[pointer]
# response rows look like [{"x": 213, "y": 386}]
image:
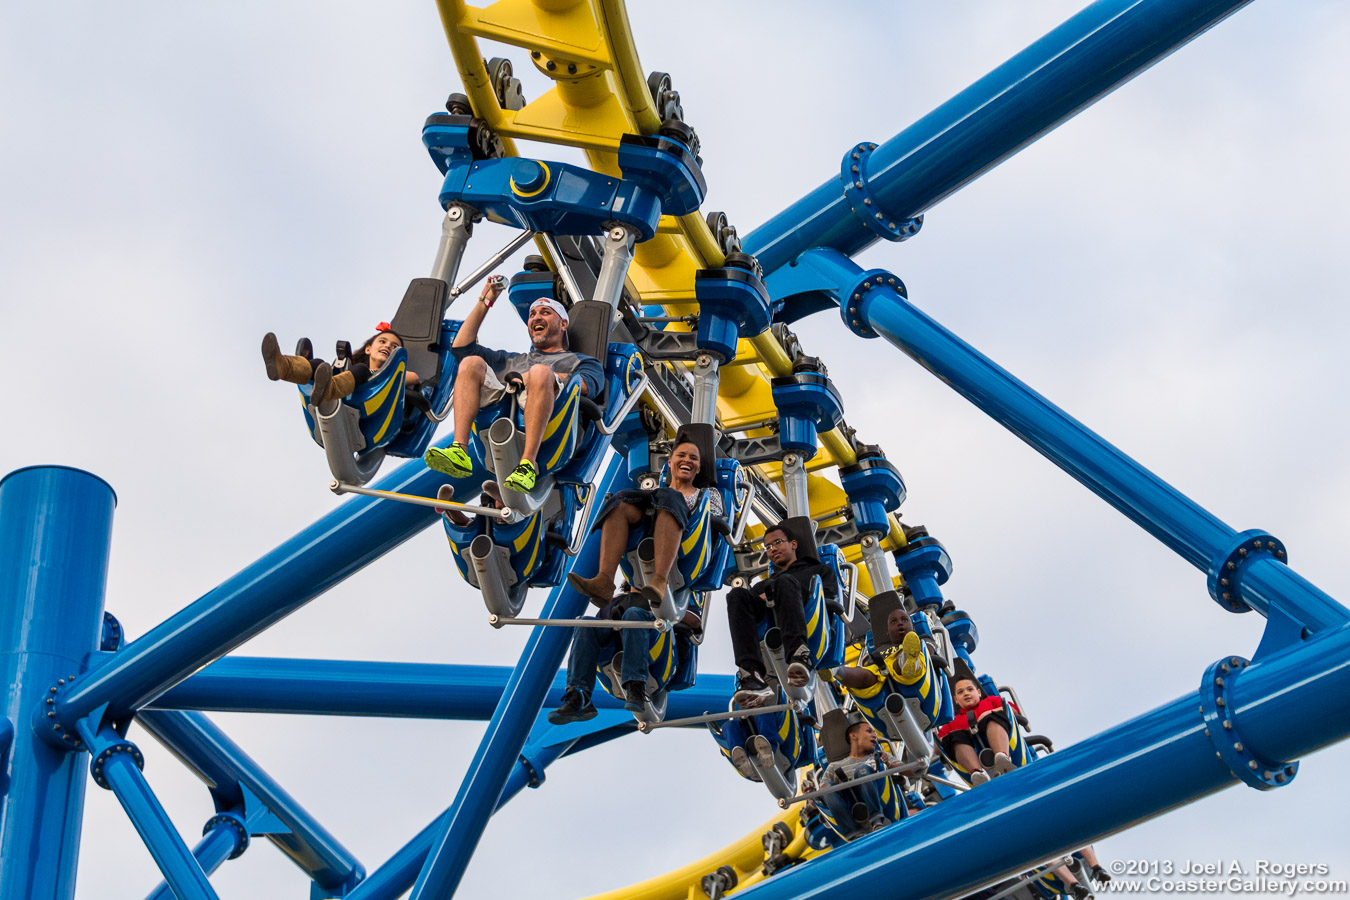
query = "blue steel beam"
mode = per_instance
[
  {"x": 393, "y": 879},
  {"x": 359, "y": 531},
  {"x": 117, "y": 766},
  {"x": 1124, "y": 776},
  {"x": 220, "y": 842},
  {"x": 55, "y": 527},
  {"x": 506, "y": 732},
  {"x": 218, "y": 761},
  {"x": 396, "y": 690},
  {"x": 1076, "y": 64},
  {"x": 1160, "y": 509}
]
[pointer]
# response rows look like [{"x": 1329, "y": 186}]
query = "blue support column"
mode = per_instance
[
  {"x": 1124, "y": 776},
  {"x": 233, "y": 776},
  {"x": 222, "y": 841},
  {"x": 506, "y": 733},
  {"x": 359, "y": 531},
  {"x": 1160, "y": 509},
  {"x": 116, "y": 766},
  {"x": 1078, "y": 63},
  {"x": 393, "y": 879},
  {"x": 55, "y": 527}
]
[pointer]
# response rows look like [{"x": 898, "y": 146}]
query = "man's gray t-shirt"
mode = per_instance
[{"x": 564, "y": 362}]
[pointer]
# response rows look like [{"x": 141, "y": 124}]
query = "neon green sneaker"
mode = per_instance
[
  {"x": 453, "y": 461},
  {"x": 523, "y": 478}
]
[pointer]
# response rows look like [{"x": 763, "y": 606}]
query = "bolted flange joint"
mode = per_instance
[
  {"x": 851, "y": 301},
  {"x": 1224, "y": 571},
  {"x": 1221, "y": 729},
  {"x": 48, "y": 725},
  {"x": 235, "y": 824},
  {"x": 853, "y": 173},
  {"x": 114, "y": 748}
]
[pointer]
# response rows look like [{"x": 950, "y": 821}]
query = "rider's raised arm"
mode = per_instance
[{"x": 468, "y": 332}]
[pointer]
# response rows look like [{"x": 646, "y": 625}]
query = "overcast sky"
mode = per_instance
[{"x": 1169, "y": 267}]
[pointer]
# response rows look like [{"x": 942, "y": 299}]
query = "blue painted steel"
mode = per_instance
[
  {"x": 926, "y": 566},
  {"x": 393, "y": 879},
  {"x": 1124, "y": 776},
  {"x": 396, "y": 690},
  {"x": 807, "y": 402},
  {"x": 506, "y": 733},
  {"x": 359, "y": 531},
  {"x": 117, "y": 766},
  {"x": 220, "y": 842},
  {"x": 1176, "y": 520},
  {"x": 874, "y": 487},
  {"x": 1079, "y": 62},
  {"x": 659, "y": 175},
  {"x": 1157, "y": 507},
  {"x": 231, "y": 772},
  {"x": 732, "y": 304},
  {"x": 55, "y": 526}
]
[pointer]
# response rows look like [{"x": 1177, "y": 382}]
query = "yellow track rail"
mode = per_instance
[{"x": 599, "y": 94}]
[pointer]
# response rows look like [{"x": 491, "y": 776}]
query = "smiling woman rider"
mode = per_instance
[
  {"x": 624, "y": 511},
  {"x": 328, "y": 385}
]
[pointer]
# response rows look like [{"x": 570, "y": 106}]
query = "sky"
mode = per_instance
[{"x": 1168, "y": 267}]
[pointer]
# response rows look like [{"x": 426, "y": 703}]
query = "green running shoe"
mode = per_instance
[
  {"x": 453, "y": 461},
  {"x": 523, "y": 478}
]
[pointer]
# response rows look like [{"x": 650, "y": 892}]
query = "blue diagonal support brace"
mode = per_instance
[{"x": 506, "y": 733}]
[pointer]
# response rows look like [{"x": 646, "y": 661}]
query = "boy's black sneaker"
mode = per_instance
[{"x": 635, "y": 696}]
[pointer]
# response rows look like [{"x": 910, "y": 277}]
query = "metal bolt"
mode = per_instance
[
  {"x": 50, "y": 714},
  {"x": 890, "y": 281},
  {"x": 1242, "y": 551},
  {"x": 1231, "y": 566},
  {"x": 61, "y": 681},
  {"x": 1237, "y": 663},
  {"x": 1256, "y": 544},
  {"x": 535, "y": 54},
  {"x": 550, "y": 65},
  {"x": 1220, "y": 702},
  {"x": 1252, "y": 765},
  {"x": 1219, "y": 682},
  {"x": 890, "y": 225},
  {"x": 571, "y": 68},
  {"x": 857, "y": 296},
  {"x": 871, "y": 146},
  {"x": 1279, "y": 554},
  {"x": 867, "y": 201},
  {"x": 867, "y": 286},
  {"x": 1280, "y": 777},
  {"x": 50, "y": 701},
  {"x": 1223, "y": 581},
  {"x": 53, "y": 690},
  {"x": 1224, "y": 668},
  {"x": 1289, "y": 770},
  {"x": 1227, "y": 596},
  {"x": 1269, "y": 774},
  {"x": 855, "y": 156},
  {"x": 858, "y": 185},
  {"x": 878, "y": 216},
  {"x": 1228, "y": 724},
  {"x": 854, "y": 169},
  {"x": 1238, "y": 746}
]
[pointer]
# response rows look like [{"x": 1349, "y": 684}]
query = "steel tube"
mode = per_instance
[
  {"x": 122, "y": 774},
  {"x": 218, "y": 844},
  {"x": 492, "y": 262},
  {"x": 398, "y": 690},
  {"x": 1076, "y": 64},
  {"x": 357, "y": 532},
  {"x": 55, "y": 527},
  {"x": 506, "y": 733},
  {"x": 1160, "y": 509},
  {"x": 1124, "y": 776},
  {"x": 393, "y": 879},
  {"x": 201, "y": 746}
]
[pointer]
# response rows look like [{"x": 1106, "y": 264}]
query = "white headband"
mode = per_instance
[{"x": 553, "y": 305}]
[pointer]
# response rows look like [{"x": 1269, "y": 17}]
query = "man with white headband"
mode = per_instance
[{"x": 483, "y": 373}]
